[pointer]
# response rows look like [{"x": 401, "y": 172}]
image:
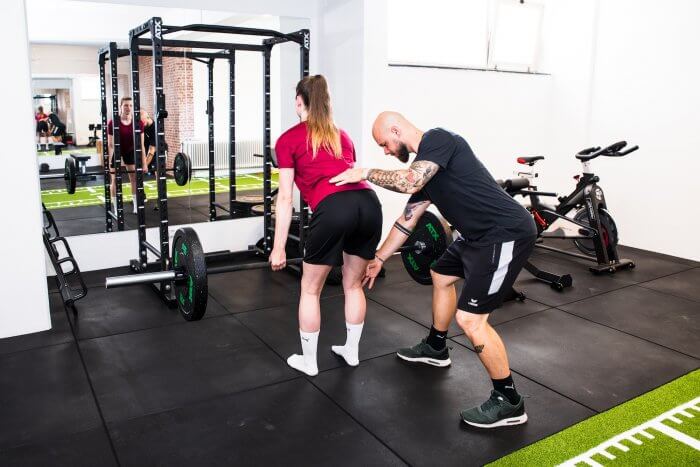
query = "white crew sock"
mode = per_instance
[
  {"x": 114, "y": 205},
  {"x": 133, "y": 198},
  {"x": 350, "y": 350},
  {"x": 306, "y": 363}
]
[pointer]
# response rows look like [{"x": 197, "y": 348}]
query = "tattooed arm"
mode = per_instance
[
  {"x": 397, "y": 236},
  {"x": 410, "y": 180}
]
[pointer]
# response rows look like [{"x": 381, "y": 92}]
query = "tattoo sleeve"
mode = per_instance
[
  {"x": 409, "y": 180},
  {"x": 410, "y": 208}
]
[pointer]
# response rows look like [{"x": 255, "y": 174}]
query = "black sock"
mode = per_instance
[
  {"x": 506, "y": 387},
  {"x": 436, "y": 339}
]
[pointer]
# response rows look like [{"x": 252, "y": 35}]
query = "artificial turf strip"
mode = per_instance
[
  {"x": 93, "y": 195},
  {"x": 662, "y": 450},
  {"x": 66, "y": 152}
]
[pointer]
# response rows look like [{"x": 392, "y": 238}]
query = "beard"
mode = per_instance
[{"x": 403, "y": 153}]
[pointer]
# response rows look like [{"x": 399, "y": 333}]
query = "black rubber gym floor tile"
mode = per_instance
[
  {"x": 45, "y": 393},
  {"x": 290, "y": 423},
  {"x": 414, "y": 409},
  {"x": 176, "y": 216},
  {"x": 384, "y": 331},
  {"x": 90, "y": 448},
  {"x": 593, "y": 364},
  {"x": 415, "y": 302},
  {"x": 149, "y": 371},
  {"x": 667, "y": 320},
  {"x": 59, "y": 333},
  {"x": 105, "y": 312},
  {"x": 648, "y": 265},
  {"x": 585, "y": 284},
  {"x": 82, "y": 226},
  {"x": 628, "y": 252},
  {"x": 684, "y": 284},
  {"x": 96, "y": 279},
  {"x": 250, "y": 290},
  {"x": 78, "y": 212}
]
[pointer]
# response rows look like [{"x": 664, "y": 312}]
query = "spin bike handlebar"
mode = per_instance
[{"x": 614, "y": 150}]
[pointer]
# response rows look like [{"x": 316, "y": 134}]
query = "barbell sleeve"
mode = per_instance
[{"x": 143, "y": 278}]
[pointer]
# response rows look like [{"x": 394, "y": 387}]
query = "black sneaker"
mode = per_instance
[
  {"x": 424, "y": 353},
  {"x": 496, "y": 411}
]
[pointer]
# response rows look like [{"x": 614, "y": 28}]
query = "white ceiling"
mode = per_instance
[{"x": 87, "y": 23}]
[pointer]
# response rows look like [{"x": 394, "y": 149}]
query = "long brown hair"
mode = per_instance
[{"x": 323, "y": 133}]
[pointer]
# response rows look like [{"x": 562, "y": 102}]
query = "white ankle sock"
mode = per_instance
[
  {"x": 350, "y": 350},
  {"x": 114, "y": 205},
  {"x": 306, "y": 363}
]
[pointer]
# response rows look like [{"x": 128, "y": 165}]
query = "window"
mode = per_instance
[
  {"x": 474, "y": 34},
  {"x": 515, "y": 36}
]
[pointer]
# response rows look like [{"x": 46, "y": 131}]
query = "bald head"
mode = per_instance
[{"x": 396, "y": 135}]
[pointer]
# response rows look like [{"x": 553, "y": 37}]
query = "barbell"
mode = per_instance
[
  {"x": 182, "y": 172},
  {"x": 426, "y": 244}
]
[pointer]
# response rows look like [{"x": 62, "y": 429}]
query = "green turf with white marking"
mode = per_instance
[
  {"x": 94, "y": 195},
  {"x": 661, "y": 427}
]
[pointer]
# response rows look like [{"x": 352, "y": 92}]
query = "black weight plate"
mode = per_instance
[
  {"x": 70, "y": 176},
  {"x": 432, "y": 231},
  {"x": 192, "y": 292},
  {"x": 182, "y": 169}
]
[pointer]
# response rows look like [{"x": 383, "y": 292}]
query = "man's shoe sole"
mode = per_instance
[
  {"x": 505, "y": 422},
  {"x": 426, "y": 360}
]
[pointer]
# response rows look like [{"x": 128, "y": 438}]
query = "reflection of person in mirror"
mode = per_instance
[
  {"x": 149, "y": 141},
  {"x": 57, "y": 127},
  {"x": 42, "y": 126},
  {"x": 126, "y": 147}
]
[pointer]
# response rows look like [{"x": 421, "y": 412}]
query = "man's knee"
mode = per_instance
[{"x": 471, "y": 323}]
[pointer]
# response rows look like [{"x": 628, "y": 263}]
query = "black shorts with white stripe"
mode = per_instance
[{"x": 488, "y": 271}]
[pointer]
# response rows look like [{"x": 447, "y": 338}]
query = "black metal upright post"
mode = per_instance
[
  {"x": 267, "y": 160},
  {"x": 304, "y": 72},
  {"x": 210, "y": 121},
  {"x": 105, "y": 149},
  {"x": 140, "y": 195},
  {"x": 156, "y": 26},
  {"x": 116, "y": 123},
  {"x": 232, "y": 132}
]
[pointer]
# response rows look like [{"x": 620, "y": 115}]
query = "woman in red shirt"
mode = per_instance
[
  {"x": 126, "y": 148},
  {"x": 345, "y": 227}
]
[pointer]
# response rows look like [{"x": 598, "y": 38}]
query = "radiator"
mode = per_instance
[{"x": 245, "y": 161}]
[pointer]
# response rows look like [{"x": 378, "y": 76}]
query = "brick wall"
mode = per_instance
[{"x": 179, "y": 98}]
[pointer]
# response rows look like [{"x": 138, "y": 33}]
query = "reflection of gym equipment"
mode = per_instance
[
  {"x": 595, "y": 232},
  {"x": 181, "y": 170},
  {"x": 38, "y": 98},
  {"x": 188, "y": 277},
  {"x": 92, "y": 141}
]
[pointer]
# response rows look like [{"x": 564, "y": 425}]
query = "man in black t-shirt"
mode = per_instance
[
  {"x": 57, "y": 127},
  {"x": 149, "y": 140},
  {"x": 496, "y": 238}
]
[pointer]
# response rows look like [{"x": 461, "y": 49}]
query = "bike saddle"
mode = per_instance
[{"x": 529, "y": 160}]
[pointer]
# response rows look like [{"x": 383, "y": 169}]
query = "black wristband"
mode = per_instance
[
  {"x": 380, "y": 259},
  {"x": 402, "y": 229}
]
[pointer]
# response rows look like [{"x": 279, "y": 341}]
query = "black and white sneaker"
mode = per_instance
[
  {"x": 496, "y": 411},
  {"x": 424, "y": 353}
]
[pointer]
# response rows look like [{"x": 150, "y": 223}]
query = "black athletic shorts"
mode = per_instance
[
  {"x": 488, "y": 271},
  {"x": 58, "y": 131},
  {"x": 42, "y": 126},
  {"x": 347, "y": 221},
  {"x": 127, "y": 159}
]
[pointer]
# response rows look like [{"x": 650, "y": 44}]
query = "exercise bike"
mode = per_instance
[{"x": 591, "y": 227}]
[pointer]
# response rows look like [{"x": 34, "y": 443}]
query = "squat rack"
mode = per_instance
[{"x": 155, "y": 30}]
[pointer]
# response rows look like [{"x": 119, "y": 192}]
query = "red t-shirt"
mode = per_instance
[
  {"x": 126, "y": 136},
  {"x": 311, "y": 175},
  {"x": 40, "y": 116}
]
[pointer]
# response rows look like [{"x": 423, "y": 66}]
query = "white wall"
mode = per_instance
[
  {"x": 646, "y": 91},
  {"x": 25, "y": 306}
]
